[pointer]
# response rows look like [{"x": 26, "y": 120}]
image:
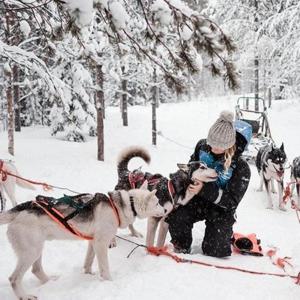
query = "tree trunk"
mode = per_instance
[
  {"x": 256, "y": 63},
  {"x": 16, "y": 86},
  {"x": 190, "y": 87},
  {"x": 264, "y": 81},
  {"x": 155, "y": 94},
  {"x": 10, "y": 111},
  {"x": 100, "y": 112},
  {"x": 256, "y": 85},
  {"x": 124, "y": 99},
  {"x": 269, "y": 97},
  {"x": 9, "y": 94}
]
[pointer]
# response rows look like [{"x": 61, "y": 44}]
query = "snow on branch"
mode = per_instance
[
  {"x": 168, "y": 33},
  {"x": 30, "y": 61},
  {"x": 183, "y": 33}
]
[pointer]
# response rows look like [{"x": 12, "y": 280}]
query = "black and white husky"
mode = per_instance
[
  {"x": 270, "y": 163},
  {"x": 295, "y": 177},
  {"x": 180, "y": 194},
  {"x": 29, "y": 227}
]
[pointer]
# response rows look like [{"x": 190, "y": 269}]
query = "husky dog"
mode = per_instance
[
  {"x": 270, "y": 163},
  {"x": 169, "y": 200},
  {"x": 295, "y": 177},
  {"x": 29, "y": 227},
  {"x": 8, "y": 184}
]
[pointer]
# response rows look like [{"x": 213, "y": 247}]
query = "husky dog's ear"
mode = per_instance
[
  {"x": 183, "y": 167},
  {"x": 111, "y": 194},
  {"x": 282, "y": 147},
  {"x": 144, "y": 186},
  {"x": 152, "y": 193}
]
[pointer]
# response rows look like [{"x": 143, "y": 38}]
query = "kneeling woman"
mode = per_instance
[{"x": 215, "y": 202}]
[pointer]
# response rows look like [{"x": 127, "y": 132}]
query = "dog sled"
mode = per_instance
[{"x": 258, "y": 119}]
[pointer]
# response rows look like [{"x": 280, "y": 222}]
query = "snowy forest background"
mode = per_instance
[{"x": 63, "y": 62}]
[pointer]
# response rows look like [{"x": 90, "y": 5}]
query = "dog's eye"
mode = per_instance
[{"x": 202, "y": 167}]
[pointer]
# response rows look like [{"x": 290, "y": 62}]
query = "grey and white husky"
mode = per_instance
[
  {"x": 295, "y": 177},
  {"x": 270, "y": 163},
  {"x": 29, "y": 227},
  {"x": 8, "y": 186}
]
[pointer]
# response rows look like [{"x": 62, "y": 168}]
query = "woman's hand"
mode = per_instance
[{"x": 196, "y": 187}]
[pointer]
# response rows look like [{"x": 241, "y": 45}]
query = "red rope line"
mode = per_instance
[
  {"x": 163, "y": 251},
  {"x": 4, "y": 174},
  {"x": 287, "y": 192},
  {"x": 287, "y": 196}
]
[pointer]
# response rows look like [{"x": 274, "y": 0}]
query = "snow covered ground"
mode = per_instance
[{"x": 42, "y": 157}]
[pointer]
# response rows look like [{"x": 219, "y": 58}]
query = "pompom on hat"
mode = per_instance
[{"x": 222, "y": 133}]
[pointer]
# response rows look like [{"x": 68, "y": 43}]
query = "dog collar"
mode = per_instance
[
  {"x": 171, "y": 191},
  {"x": 132, "y": 206},
  {"x": 3, "y": 172},
  {"x": 113, "y": 206}
]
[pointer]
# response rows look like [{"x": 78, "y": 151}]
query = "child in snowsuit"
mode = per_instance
[{"x": 215, "y": 202}]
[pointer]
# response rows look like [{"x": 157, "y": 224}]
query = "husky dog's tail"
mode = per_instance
[
  {"x": 127, "y": 154},
  {"x": 7, "y": 217}
]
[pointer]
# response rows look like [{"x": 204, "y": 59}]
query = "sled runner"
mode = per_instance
[{"x": 245, "y": 111}]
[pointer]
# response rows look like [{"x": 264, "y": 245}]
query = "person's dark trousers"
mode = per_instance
[{"x": 218, "y": 231}]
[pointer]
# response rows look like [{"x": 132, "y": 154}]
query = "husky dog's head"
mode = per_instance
[
  {"x": 200, "y": 171},
  {"x": 276, "y": 158},
  {"x": 295, "y": 170},
  {"x": 145, "y": 202}
]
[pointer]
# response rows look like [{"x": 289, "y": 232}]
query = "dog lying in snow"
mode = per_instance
[
  {"x": 270, "y": 163},
  {"x": 29, "y": 227},
  {"x": 8, "y": 183},
  {"x": 295, "y": 177},
  {"x": 170, "y": 192}
]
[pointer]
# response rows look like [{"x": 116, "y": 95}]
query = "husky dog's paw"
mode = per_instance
[
  {"x": 269, "y": 206},
  {"x": 136, "y": 234},
  {"x": 28, "y": 297},
  {"x": 89, "y": 271},
  {"x": 106, "y": 276},
  {"x": 259, "y": 190},
  {"x": 54, "y": 277},
  {"x": 113, "y": 243},
  {"x": 282, "y": 207}
]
